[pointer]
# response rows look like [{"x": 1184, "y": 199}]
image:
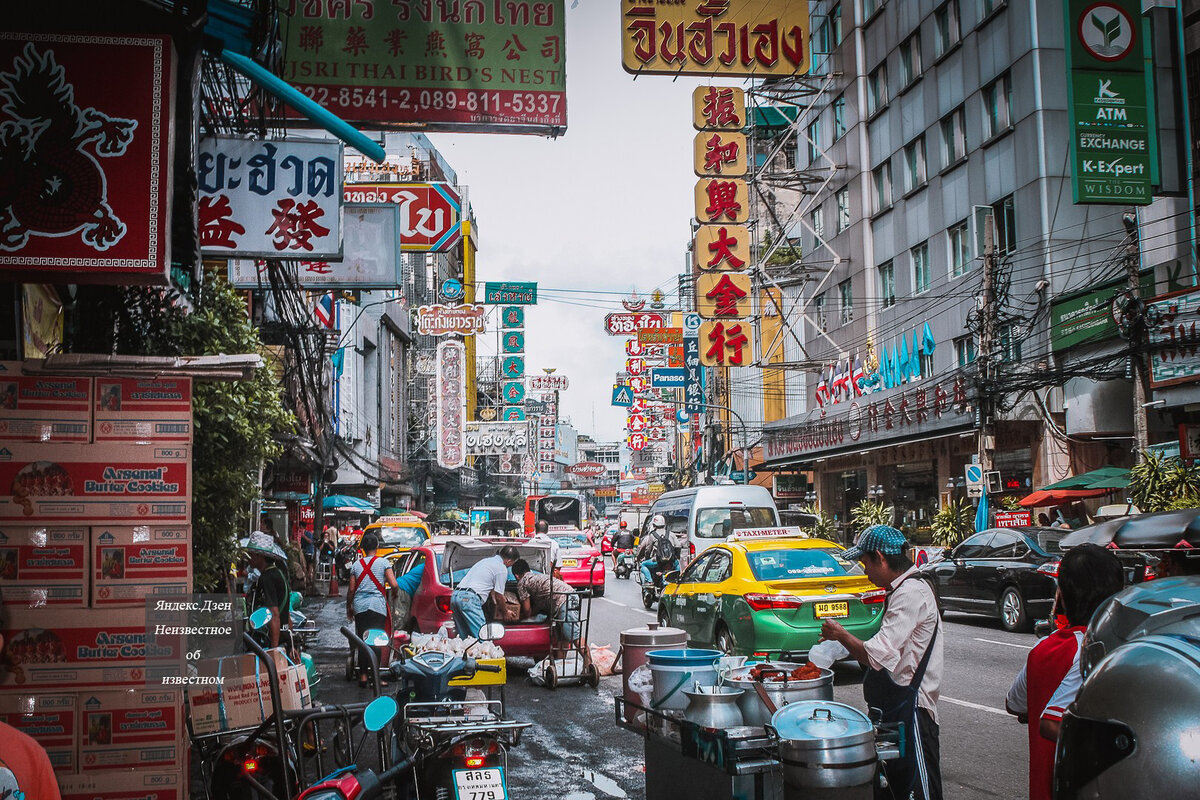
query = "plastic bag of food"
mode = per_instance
[
  {"x": 604, "y": 659},
  {"x": 823, "y": 654}
]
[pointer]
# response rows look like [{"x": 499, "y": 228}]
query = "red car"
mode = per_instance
[
  {"x": 453, "y": 556},
  {"x": 580, "y": 562}
]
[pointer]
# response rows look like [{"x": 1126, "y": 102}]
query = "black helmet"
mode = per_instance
[{"x": 1164, "y": 606}]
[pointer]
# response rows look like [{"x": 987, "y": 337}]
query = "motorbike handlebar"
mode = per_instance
[{"x": 486, "y": 668}]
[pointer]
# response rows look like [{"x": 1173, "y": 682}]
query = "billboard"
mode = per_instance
[
  {"x": 497, "y": 438},
  {"x": 469, "y": 66},
  {"x": 88, "y": 161},
  {"x": 270, "y": 198},
  {"x": 462, "y": 320},
  {"x": 451, "y": 396},
  {"x": 510, "y": 293},
  {"x": 430, "y": 213}
]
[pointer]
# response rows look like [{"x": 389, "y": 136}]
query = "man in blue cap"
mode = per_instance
[{"x": 903, "y": 661}]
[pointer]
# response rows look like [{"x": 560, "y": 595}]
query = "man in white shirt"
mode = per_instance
[
  {"x": 903, "y": 661},
  {"x": 485, "y": 579}
]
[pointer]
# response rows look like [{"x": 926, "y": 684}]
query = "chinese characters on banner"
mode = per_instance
[
  {"x": 718, "y": 37},
  {"x": 270, "y": 199},
  {"x": 451, "y": 396},
  {"x": 469, "y": 66}
]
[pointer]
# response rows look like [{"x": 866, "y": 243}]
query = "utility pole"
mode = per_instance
[
  {"x": 987, "y": 344},
  {"x": 1137, "y": 330}
]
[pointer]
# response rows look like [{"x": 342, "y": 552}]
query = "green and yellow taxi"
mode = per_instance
[
  {"x": 764, "y": 591},
  {"x": 398, "y": 533}
]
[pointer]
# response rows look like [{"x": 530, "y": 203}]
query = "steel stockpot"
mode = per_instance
[
  {"x": 781, "y": 693},
  {"x": 824, "y": 745}
]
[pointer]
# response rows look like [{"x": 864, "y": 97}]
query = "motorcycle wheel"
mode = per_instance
[
  {"x": 647, "y": 598},
  {"x": 350, "y": 667}
]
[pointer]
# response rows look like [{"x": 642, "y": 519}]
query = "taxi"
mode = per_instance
[
  {"x": 768, "y": 590},
  {"x": 398, "y": 533}
]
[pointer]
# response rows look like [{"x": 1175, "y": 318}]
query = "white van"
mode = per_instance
[{"x": 711, "y": 513}]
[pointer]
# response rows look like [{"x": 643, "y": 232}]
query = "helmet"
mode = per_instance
[
  {"x": 1127, "y": 736},
  {"x": 659, "y": 521},
  {"x": 624, "y": 524},
  {"x": 1164, "y": 606}
]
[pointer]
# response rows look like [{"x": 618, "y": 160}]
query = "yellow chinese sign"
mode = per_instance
[
  {"x": 724, "y": 295},
  {"x": 718, "y": 108},
  {"x": 722, "y": 200},
  {"x": 718, "y": 153},
  {"x": 721, "y": 247},
  {"x": 760, "y": 38},
  {"x": 726, "y": 343}
]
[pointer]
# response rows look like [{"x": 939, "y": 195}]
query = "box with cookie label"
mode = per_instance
[
  {"x": 143, "y": 410},
  {"x": 44, "y": 408},
  {"x": 44, "y": 566}
]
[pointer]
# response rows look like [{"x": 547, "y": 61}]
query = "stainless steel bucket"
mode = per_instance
[{"x": 781, "y": 693}]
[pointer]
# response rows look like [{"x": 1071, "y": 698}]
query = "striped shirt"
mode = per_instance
[{"x": 909, "y": 620}]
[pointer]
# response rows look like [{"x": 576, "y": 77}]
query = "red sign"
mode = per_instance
[
  {"x": 1014, "y": 519},
  {"x": 430, "y": 213},
  {"x": 637, "y": 441},
  {"x": 88, "y": 132},
  {"x": 630, "y": 324},
  {"x": 588, "y": 469}
]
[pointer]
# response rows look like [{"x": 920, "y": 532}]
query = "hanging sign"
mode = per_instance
[
  {"x": 512, "y": 317},
  {"x": 726, "y": 344},
  {"x": 270, "y": 198},
  {"x": 513, "y": 367},
  {"x": 524, "y": 294},
  {"x": 723, "y": 295},
  {"x": 629, "y": 324},
  {"x": 513, "y": 341},
  {"x": 513, "y": 414},
  {"x": 721, "y": 247},
  {"x": 588, "y": 469},
  {"x": 718, "y": 108},
  {"x": 453, "y": 290},
  {"x": 450, "y": 395},
  {"x": 496, "y": 438},
  {"x": 430, "y": 213},
  {"x": 720, "y": 200},
  {"x": 514, "y": 392},
  {"x": 548, "y": 383},
  {"x": 440, "y": 320},
  {"x": 719, "y": 154},
  {"x": 648, "y": 336}
]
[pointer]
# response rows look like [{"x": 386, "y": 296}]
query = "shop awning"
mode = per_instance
[
  {"x": 1054, "y": 497},
  {"x": 344, "y": 502},
  {"x": 1103, "y": 478}
]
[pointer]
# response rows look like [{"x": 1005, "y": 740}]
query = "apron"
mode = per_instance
[
  {"x": 899, "y": 704},
  {"x": 366, "y": 565}
]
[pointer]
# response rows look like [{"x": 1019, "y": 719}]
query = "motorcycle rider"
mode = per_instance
[
  {"x": 657, "y": 554},
  {"x": 622, "y": 541}
]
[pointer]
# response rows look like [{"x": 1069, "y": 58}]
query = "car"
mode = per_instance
[
  {"x": 452, "y": 557},
  {"x": 1008, "y": 574},
  {"x": 580, "y": 562},
  {"x": 397, "y": 533},
  {"x": 769, "y": 595},
  {"x": 709, "y": 514}
]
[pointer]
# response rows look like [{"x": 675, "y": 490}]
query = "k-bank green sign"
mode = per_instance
[
  {"x": 1112, "y": 136},
  {"x": 1087, "y": 316}
]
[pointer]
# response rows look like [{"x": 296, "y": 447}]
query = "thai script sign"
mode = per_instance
[
  {"x": 271, "y": 199},
  {"x": 440, "y": 320},
  {"x": 88, "y": 128},
  {"x": 1174, "y": 338},
  {"x": 451, "y": 392},
  {"x": 629, "y": 324},
  {"x": 548, "y": 383},
  {"x": 453, "y": 65},
  {"x": 497, "y": 438},
  {"x": 715, "y": 37},
  {"x": 650, "y": 336},
  {"x": 510, "y": 293},
  {"x": 430, "y": 213},
  {"x": 588, "y": 469}
]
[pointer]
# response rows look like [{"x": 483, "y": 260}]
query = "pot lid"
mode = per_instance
[
  {"x": 653, "y": 634},
  {"x": 813, "y": 720}
]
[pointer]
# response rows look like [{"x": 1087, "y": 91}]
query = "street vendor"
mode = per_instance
[
  {"x": 271, "y": 590},
  {"x": 541, "y": 593},
  {"x": 903, "y": 661}
]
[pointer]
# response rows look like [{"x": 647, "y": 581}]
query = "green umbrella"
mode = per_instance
[{"x": 1103, "y": 478}]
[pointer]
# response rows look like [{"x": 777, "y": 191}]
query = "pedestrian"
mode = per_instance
[
  {"x": 309, "y": 547},
  {"x": 1087, "y": 576},
  {"x": 271, "y": 590},
  {"x": 541, "y": 534},
  {"x": 544, "y": 594},
  {"x": 903, "y": 661},
  {"x": 328, "y": 547},
  {"x": 483, "y": 581},
  {"x": 367, "y": 599}
]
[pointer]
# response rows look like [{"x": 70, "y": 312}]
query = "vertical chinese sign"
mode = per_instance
[
  {"x": 454, "y": 65},
  {"x": 451, "y": 395},
  {"x": 87, "y": 129}
]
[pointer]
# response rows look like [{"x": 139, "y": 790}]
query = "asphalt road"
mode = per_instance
[{"x": 575, "y": 751}]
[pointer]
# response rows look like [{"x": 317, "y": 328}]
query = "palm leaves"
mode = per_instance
[
  {"x": 868, "y": 513},
  {"x": 952, "y": 523},
  {"x": 1160, "y": 483}
]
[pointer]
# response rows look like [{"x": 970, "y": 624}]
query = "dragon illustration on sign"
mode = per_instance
[{"x": 50, "y": 184}]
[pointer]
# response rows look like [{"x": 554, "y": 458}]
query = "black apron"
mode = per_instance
[{"x": 899, "y": 704}]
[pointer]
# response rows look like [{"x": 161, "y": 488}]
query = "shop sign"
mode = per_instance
[
  {"x": 652, "y": 336},
  {"x": 1174, "y": 338},
  {"x": 371, "y": 258},
  {"x": 430, "y": 213},
  {"x": 513, "y": 414},
  {"x": 270, "y": 198},
  {"x": 718, "y": 153},
  {"x": 723, "y": 295},
  {"x": 512, "y": 317},
  {"x": 451, "y": 392},
  {"x": 482, "y": 67},
  {"x": 606, "y": 492},
  {"x": 668, "y": 378},
  {"x": 495, "y": 438},
  {"x": 513, "y": 367},
  {"x": 910, "y": 412},
  {"x": 1013, "y": 519},
  {"x": 514, "y": 392},
  {"x": 291, "y": 481},
  {"x": 718, "y": 108},
  {"x": 514, "y": 342},
  {"x": 588, "y": 469},
  {"x": 726, "y": 344},
  {"x": 693, "y": 390},
  {"x": 620, "y": 324},
  {"x": 721, "y": 200},
  {"x": 453, "y": 290},
  {"x": 730, "y": 37},
  {"x": 721, "y": 247},
  {"x": 1088, "y": 317},
  {"x": 548, "y": 383},
  {"x": 1189, "y": 441},
  {"x": 440, "y": 320},
  {"x": 524, "y": 294},
  {"x": 105, "y": 123}
]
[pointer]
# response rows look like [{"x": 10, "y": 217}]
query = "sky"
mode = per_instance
[{"x": 595, "y": 214}]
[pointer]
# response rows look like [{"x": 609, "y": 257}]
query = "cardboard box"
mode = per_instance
[
  {"x": 43, "y": 408},
  {"x": 51, "y": 719},
  {"x": 124, "y": 785},
  {"x": 102, "y": 484},
  {"x": 44, "y": 566},
  {"x": 132, "y": 563},
  {"x": 131, "y": 728},
  {"x": 143, "y": 410},
  {"x": 49, "y": 649},
  {"x": 242, "y": 698}
]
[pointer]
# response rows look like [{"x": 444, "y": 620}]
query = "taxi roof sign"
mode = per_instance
[
  {"x": 394, "y": 518},
  {"x": 755, "y": 534}
]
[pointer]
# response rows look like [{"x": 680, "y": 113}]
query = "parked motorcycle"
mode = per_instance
[
  {"x": 624, "y": 565},
  {"x": 347, "y": 552}
]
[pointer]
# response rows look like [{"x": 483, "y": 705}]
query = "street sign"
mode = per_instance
[
  {"x": 737, "y": 476},
  {"x": 974, "y": 474},
  {"x": 524, "y": 294},
  {"x": 668, "y": 378}
]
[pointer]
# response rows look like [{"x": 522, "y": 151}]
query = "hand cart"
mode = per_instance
[{"x": 569, "y": 660}]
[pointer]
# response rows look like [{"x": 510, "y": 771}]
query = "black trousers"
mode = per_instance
[{"x": 931, "y": 751}]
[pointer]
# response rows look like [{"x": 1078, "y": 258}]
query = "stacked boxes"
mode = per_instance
[
  {"x": 95, "y": 519},
  {"x": 242, "y": 697}
]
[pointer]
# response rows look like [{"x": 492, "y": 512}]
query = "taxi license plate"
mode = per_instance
[
  {"x": 824, "y": 610},
  {"x": 570, "y": 562},
  {"x": 480, "y": 784}
]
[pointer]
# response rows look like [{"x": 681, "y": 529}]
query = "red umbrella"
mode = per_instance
[{"x": 1054, "y": 497}]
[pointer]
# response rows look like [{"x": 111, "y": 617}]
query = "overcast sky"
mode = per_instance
[{"x": 600, "y": 211}]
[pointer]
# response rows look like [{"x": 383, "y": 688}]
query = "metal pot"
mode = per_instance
[
  {"x": 713, "y": 707},
  {"x": 781, "y": 693},
  {"x": 824, "y": 745}
]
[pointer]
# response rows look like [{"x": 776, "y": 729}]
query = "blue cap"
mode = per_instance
[{"x": 877, "y": 538}]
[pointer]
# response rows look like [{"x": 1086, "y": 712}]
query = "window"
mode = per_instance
[
  {"x": 839, "y": 117},
  {"x": 959, "y": 239},
  {"x": 870, "y": 7},
  {"x": 814, "y": 140},
  {"x": 974, "y": 547},
  {"x": 997, "y": 107},
  {"x": 820, "y": 49},
  {"x": 719, "y": 568},
  {"x": 914, "y": 164},
  {"x": 877, "y": 92},
  {"x": 954, "y": 137},
  {"x": 1005, "y": 219},
  {"x": 809, "y": 562},
  {"x": 819, "y": 312},
  {"x": 987, "y": 7},
  {"x": 846, "y": 301},
  {"x": 887, "y": 284},
  {"x": 817, "y": 217},
  {"x": 882, "y": 178},
  {"x": 910, "y": 59},
  {"x": 920, "y": 267},
  {"x": 835, "y": 24},
  {"x": 926, "y": 360},
  {"x": 945, "y": 24},
  {"x": 719, "y": 523},
  {"x": 843, "y": 208},
  {"x": 696, "y": 568},
  {"x": 1010, "y": 344},
  {"x": 964, "y": 350},
  {"x": 1005, "y": 545}
]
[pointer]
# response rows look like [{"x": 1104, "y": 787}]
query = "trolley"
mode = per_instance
[{"x": 570, "y": 663}]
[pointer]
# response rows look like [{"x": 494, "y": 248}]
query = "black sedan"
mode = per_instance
[{"x": 1006, "y": 573}]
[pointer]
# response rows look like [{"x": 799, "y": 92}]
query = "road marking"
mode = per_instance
[
  {"x": 976, "y": 706},
  {"x": 1006, "y": 644},
  {"x": 614, "y": 602}
]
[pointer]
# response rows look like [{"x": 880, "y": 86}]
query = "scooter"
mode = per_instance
[
  {"x": 624, "y": 565},
  {"x": 651, "y": 592}
]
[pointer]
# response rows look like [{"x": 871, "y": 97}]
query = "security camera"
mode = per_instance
[{"x": 1129, "y": 220}]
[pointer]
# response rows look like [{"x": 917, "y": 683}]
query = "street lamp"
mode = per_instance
[
  {"x": 875, "y": 492},
  {"x": 810, "y": 497}
]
